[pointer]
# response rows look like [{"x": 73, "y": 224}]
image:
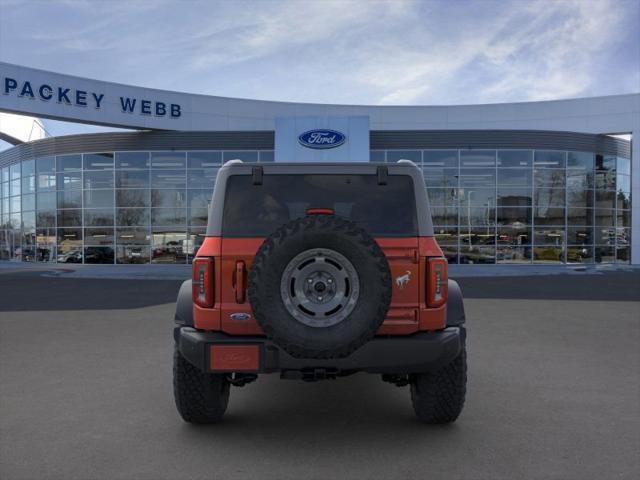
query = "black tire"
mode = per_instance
[
  {"x": 200, "y": 397},
  {"x": 369, "y": 263},
  {"x": 438, "y": 397}
]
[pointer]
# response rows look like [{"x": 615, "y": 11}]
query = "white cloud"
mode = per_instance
[
  {"x": 542, "y": 51},
  {"x": 387, "y": 52}
]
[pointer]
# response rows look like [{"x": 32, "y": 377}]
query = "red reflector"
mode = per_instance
[
  {"x": 320, "y": 211},
  {"x": 235, "y": 358},
  {"x": 202, "y": 282},
  {"x": 437, "y": 282}
]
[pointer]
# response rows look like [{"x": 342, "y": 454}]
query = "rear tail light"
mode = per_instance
[
  {"x": 437, "y": 282},
  {"x": 202, "y": 282}
]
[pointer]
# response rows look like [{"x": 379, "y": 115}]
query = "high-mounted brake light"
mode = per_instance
[
  {"x": 437, "y": 282},
  {"x": 202, "y": 282},
  {"x": 320, "y": 211}
]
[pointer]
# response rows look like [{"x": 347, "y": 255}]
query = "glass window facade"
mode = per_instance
[
  {"x": 488, "y": 206},
  {"x": 110, "y": 207},
  {"x": 526, "y": 206}
]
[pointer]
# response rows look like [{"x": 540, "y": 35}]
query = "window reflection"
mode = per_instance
[
  {"x": 204, "y": 159},
  {"x": 69, "y": 245},
  {"x": 98, "y": 217},
  {"x": 194, "y": 242},
  {"x": 511, "y": 254},
  {"x": 132, "y": 254},
  {"x": 514, "y": 234},
  {"x": 176, "y": 198},
  {"x": 580, "y": 236},
  {"x": 43, "y": 165},
  {"x": 133, "y": 236},
  {"x": 483, "y": 204},
  {"x": 477, "y": 158},
  {"x": 104, "y": 254},
  {"x": 68, "y": 162},
  {"x": 440, "y": 158},
  {"x": 168, "y": 217},
  {"x": 169, "y": 246},
  {"x": 69, "y": 180},
  {"x": 97, "y": 161},
  {"x": 168, "y": 179},
  {"x": 549, "y": 159},
  {"x": 98, "y": 199},
  {"x": 582, "y": 160},
  {"x": 414, "y": 156},
  {"x": 70, "y": 199},
  {"x": 70, "y": 218},
  {"x": 133, "y": 198},
  {"x": 132, "y": 179},
  {"x": 446, "y": 235},
  {"x": 98, "y": 236},
  {"x": 477, "y": 177},
  {"x": 477, "y": 254},
  {"x": 441, "y": 178},
  {"x": 548, "y": 254},
  {"x": 98, "y": 179},
  {"x": 247, "y": 157},
  {"x": 514, "y": 176},
  {"x": 515, "y": 158},
  {"x": 28, "y": 184},
  {"x": 138, "y": 160},
  {"x": 132, "y": 216},
  {"x": 168, "y": 160}
]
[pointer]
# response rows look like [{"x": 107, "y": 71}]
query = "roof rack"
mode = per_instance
[
  {"x": 404, "y": 161},
  {"x": 235, "y": 161}
]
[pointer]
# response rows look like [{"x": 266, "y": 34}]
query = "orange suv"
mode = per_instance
[{"x": 318, "y": 271}]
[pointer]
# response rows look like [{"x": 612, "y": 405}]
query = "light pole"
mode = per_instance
[{"x": 471, "y": 192}]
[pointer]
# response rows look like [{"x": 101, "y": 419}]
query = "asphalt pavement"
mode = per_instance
[{"x": 554, "y": 392}]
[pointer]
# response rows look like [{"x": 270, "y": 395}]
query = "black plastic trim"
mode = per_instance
[
  {"x": 184, "y": 305},
  {"x": 455, "y": 305},
  {"x": 420, "y": 352}
]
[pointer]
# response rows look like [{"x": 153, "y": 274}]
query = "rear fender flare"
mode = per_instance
[
  {"x": 455, "y": 305},
  {"x": 184, "y": 305}
]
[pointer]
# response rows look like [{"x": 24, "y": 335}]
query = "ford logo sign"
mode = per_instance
[{"x": 322, "y": 138}]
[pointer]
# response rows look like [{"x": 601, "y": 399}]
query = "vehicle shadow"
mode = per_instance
[
  {"x": 610, "y": 286},
  {"x": 33, "y": 292},
  {"x": 360, "y": 413}
]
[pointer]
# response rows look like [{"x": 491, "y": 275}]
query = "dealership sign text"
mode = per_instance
[{"x": 82, "y": 98}]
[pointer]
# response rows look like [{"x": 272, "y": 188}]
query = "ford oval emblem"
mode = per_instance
[
  {"x": 322, "y": 138},
  {"x": 240, "y": 316}
]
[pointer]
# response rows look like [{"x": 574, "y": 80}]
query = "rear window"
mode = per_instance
[{"x": 257, "y": 210}]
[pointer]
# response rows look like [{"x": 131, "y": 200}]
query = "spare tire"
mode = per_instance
[{"x": 320, "y": 287}]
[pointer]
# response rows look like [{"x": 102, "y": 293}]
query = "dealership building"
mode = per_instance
[{"x": 517, "y": 183}]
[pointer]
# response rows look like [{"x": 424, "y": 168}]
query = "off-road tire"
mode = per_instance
[
  {"x": 200, "y": 397},
  {"x": 438, "y": 397},
  {"x": 349, "y": 240}
]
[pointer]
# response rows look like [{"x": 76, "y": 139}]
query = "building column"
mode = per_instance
[{"x": 635, "y": 197}]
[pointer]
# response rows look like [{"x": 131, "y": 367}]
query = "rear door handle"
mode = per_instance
[{"x": 240, "y": 282}]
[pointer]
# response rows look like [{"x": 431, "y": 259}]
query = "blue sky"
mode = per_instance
[{"x": 362, "y": 52}]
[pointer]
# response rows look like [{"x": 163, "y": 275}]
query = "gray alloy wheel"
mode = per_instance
[{"x": 320, "y": 287}]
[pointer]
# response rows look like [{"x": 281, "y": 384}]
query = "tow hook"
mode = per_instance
[{"x": 241, "y": 379}]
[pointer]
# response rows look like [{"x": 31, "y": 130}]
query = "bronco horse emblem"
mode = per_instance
[{"x": 402, "y": 280}]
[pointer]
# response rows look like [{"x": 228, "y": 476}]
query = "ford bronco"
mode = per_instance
[{"x": 318, "y": 271}]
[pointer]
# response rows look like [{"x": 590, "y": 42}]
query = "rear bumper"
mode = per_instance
[{"x": 398, "y": 355}]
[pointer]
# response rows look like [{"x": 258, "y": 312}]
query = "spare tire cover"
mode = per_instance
[{"x": 320, "y": 286}]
